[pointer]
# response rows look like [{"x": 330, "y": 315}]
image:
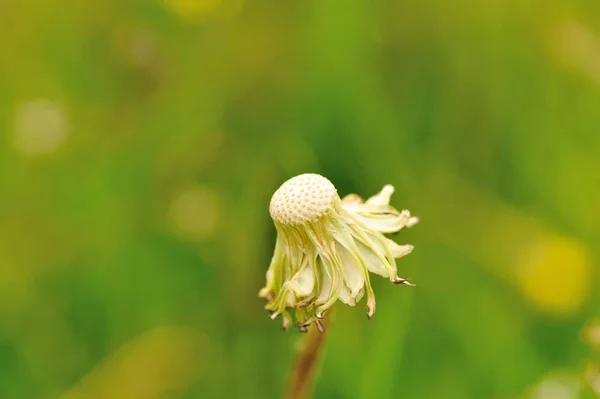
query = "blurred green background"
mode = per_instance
[{"x": 141, "y": 141}]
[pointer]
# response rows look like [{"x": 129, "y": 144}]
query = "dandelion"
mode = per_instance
[{"x": 326, "y": 247}]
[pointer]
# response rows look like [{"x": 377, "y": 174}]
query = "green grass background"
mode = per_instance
[{"x": 132, "y": 251}]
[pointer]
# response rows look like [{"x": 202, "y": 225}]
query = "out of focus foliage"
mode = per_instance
[{"x": 141, "y": 141}]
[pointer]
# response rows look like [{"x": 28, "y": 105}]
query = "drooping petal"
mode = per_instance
[
  {"x": 345, "y": 236},
  {"x": 275, "y": 272},
  {"x": 287, "y": 320},
  {"x": 331, "y": 264},
  {"x": 303, "y": 282},
  {"x": 398, "y": 251},
  {"x": 359, "y": 295},
  {"x": 354, "y": 277},
  {"x": 392, "y": 250},
  {"x": 346, "y": 297},
  {"x": 325, "y": 282},
  {"x": 291, "y": 299},
  {"x": 374, "y": 252},
  {"x": 373, "y": 262}
]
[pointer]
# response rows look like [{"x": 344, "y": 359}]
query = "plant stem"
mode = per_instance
[{"x": 307, "y": 359}]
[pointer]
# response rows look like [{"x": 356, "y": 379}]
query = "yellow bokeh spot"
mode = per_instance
[
  {"x": 196, "y": 212},
  {"x": 591, "y": 334},
  {"x": 193, "y": 10},
  {"x": 591, "y": 374},
  {"x": 556, "y": 385},
  {"x": 41, "y": 127},
  {"x": 555, "y": 274}
]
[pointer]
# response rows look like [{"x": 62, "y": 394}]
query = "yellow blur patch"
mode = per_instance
[
  {"x": 41, "y": 127},
  {"x": 160, "y": 363},
  {"x": 193, "y": 10},
  {"x": 591, "y": 375},
  {"x": 196, "y": 212},
  {"x": 577, "y": 46},
  {"x": 557, "y": 384},
  {"x": 591, "y": 334},
  {"x": 555, "y": 274}
]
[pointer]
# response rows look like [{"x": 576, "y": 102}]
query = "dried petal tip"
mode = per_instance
[
  {"x": 320, "y": 326},
  {"x": 400, "y": 280},
  {"x": 301, "y": 199}
]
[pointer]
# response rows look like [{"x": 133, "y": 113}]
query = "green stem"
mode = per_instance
[{"x": 307, "y": 360}]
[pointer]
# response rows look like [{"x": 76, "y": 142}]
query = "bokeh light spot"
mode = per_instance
[
  {"x": 592, "y": 377},
  {"x": 591, "y": 334},
  {"x": 555, "y": 274},
  {"x": 578, "y": 47},
  {"x": 195, "y": 212},
  {"x": 41, "y": 127},
  {"x": 557, "y": 385}
]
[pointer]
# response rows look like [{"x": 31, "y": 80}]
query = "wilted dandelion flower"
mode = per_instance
[{"x": 326, "y": 247}]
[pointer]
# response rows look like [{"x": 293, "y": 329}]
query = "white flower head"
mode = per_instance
[{"x": 326, "y": 247}]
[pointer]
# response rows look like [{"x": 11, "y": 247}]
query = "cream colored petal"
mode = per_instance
[
  {"x": 346, "y": 297},
  {"x": 302, "y": 284},
  {"x": 392, "y": 250},
  {"x": 383, "y": 197},
  {"x": 359, "y": 295},
  {"x": 291, "y": 299},
  {"x": 353, "y": 275},
  {"x": 412, "y": 221},
  {"x": 267, "y": 291},
  {"x": 351, "y": 199},
  {"x": 275, "y": 272},
  {"x": 383, "y": 223},
  {"x": 385, "y": 219},
  {"x": 372, "y": 261},
  {"x": 331, "y": 265},
  {"x": 325, "y": 282},
  {"x": 398, "y": 251}
]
